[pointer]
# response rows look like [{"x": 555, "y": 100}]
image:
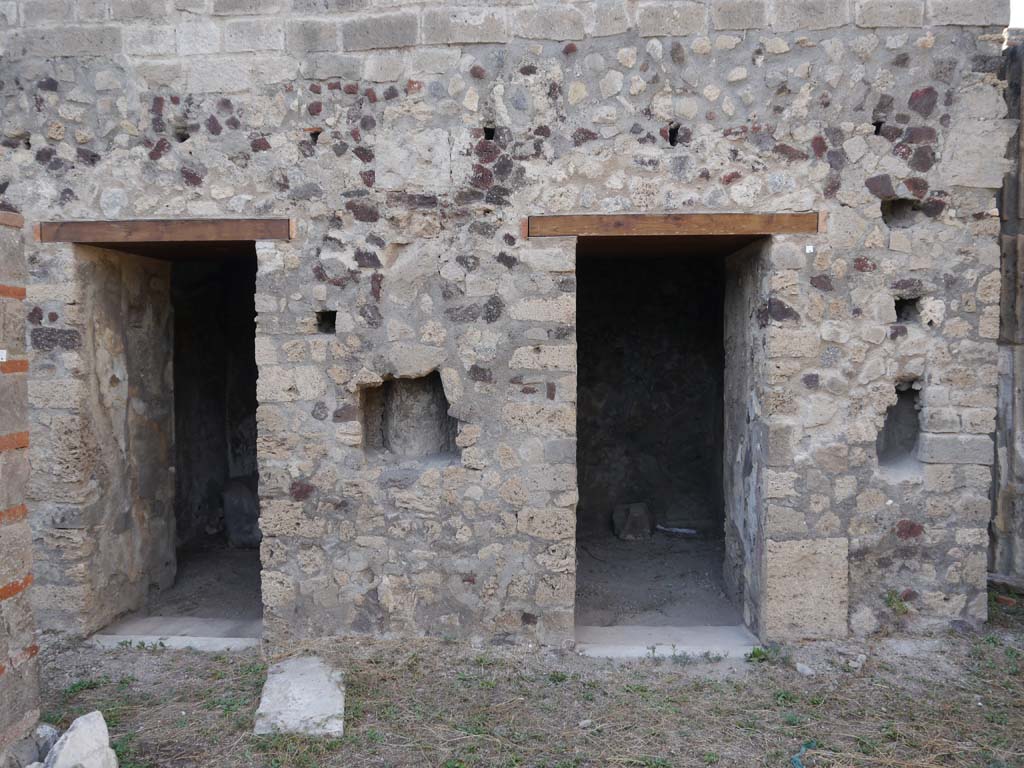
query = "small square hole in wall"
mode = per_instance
[
  {"x": 908, "y": 310},
  {"x": 409, "y": 418},
  {"x": 326, "y": 320}
]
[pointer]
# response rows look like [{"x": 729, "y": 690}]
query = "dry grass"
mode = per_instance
[{"x": 949, "y": 701}]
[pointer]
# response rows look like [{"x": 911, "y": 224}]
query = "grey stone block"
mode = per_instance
[
  {"x": 149, "y": 40},
  {"x": 197, "y": 38},
  {"x": 790, "y": 15},
  {"x": 253, "y": 35},
  {"x": 35, "y": 12},
  {"x": 550, "y": 22},
  {"x": 312, "y": 35},
  {"x": 302, "y": 695},
  {"x": 322, "y": 66},
  {"x": 328, "y": 6},
  {"x": 218, "y": 75},
  {"x": 739, "y": 14},
  {"x": 611, "y": 17},
  {"x": 464, "y": 25},
  {"x": 243, "y": 7},
  {"x": 969, "y": 12},
  {"x": 955, "y": 449},
  {"x": 397, "y": 30},
  {"x": 889, "y": 13},
  {"x": 72, "y": 41},
  {"x": 138, "y": 9},
  {"x": 673, "y": 19}
]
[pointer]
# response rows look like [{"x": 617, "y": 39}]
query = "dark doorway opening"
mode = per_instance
[
  {"x": 216, "y": 480},
  {"x": 650, "y": 428}
]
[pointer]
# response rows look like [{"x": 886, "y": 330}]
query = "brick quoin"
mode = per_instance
[
  {"x": 15, "y": 587},
  {"x": 14, "y": 441},
  {"x": 14, "y": 366},
  {"x": 13, "y": 515},
  {"x": 12, "y": 292}
]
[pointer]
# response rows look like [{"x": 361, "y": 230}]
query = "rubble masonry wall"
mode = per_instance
[{"x": 409, "y": 140}]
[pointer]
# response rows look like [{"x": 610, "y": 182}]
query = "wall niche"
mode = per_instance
[{"x": 409, "y": 418}]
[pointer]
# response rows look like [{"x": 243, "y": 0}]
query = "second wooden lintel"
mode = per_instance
[
  {"x": 165, "y": 231},
  {"x": 674, "y": 224}
]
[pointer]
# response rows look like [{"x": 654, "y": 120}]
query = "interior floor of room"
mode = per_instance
[
  {"x": 214, "y": 605},
  {"x": 666, "y": 581},
  {"x": 215, "y": 583}
]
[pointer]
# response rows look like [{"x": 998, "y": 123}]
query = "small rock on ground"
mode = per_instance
[
  {"x": 302, "y": 695},
  {"x": 86, "y": 744}
]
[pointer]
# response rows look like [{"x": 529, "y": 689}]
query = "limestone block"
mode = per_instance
[
  {"x": 889, "y": 13},
  {"x": 240, "y": 7},
  {"x": 968, "y": 160},
  {"x": 677, "y": 18},
  {"x": 302, "y": 695},
  {"x": 396, "y": 30},
  {"x": 279, "y": 383},
  {"x": 72, "y": 41},
  {"x": 739, "y": 14},
  {"x": 790, "y": 15},
  {"x": 805, "y": 591},
  {"x": 464, "y": 25},
  {"x": 555, "y": 420},
  {"x": 955, "y": 449},
  {"x": 148, "y": 40},
  {"x": 312, "y": 35},
  {"x": 611, "y": 17},
  {"x": 218, "y": 76},
  {"x": 561, "y": 309},
  {"x": 969, "y": 12},
  {"x": 550, "y": 22},
  {"x": 137, "y": 9},
  {"x": 545, "y": 357},
  {"x": 195, "y": 38},
  {"x": 550, "y": 523}
]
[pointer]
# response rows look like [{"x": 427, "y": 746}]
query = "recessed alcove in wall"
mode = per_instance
[
  {"x": 409, "y": 418},
  {"x": 908, "y": 310},
  {"x": 901, "y": 212},
  {"x": 896, "y": 444}
]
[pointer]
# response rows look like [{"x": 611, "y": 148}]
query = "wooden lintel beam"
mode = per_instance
[
  {"x": 165, "y": 231},
  {"x": 11, "y": 219},
  {"x": 674, "y": 224}
]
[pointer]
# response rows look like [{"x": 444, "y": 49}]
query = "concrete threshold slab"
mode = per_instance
[
  {"x": 181, "y": 632},
  {"x": 635, "y": 642}
]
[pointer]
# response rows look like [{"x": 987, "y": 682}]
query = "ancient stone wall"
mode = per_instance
[
  {"x": 409, "y": 140},
  {"x": 102, "y": 486},
  {"x": 19, "y": 692}
]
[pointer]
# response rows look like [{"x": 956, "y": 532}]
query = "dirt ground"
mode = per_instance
[
  {"x": 954, "y": 699},
  {"x": 666, "y": 581}
]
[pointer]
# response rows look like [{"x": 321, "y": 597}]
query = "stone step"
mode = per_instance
[
  {"x": 181, "y": 632},
  {"x": 634, "y": 642}
]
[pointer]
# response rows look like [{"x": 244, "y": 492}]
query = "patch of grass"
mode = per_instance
[
  {"x": 292, "y": 751},
  {"x": 895, "y": 603},
  {"x": 87, "y": 684}
]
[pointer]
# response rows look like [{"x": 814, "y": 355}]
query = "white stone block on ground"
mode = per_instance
[
  {"x": 302, "y": 695},
  {"x": 86, "y": 744}
]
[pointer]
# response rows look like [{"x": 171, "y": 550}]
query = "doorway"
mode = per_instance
[{"x": 653, "y": 511}]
